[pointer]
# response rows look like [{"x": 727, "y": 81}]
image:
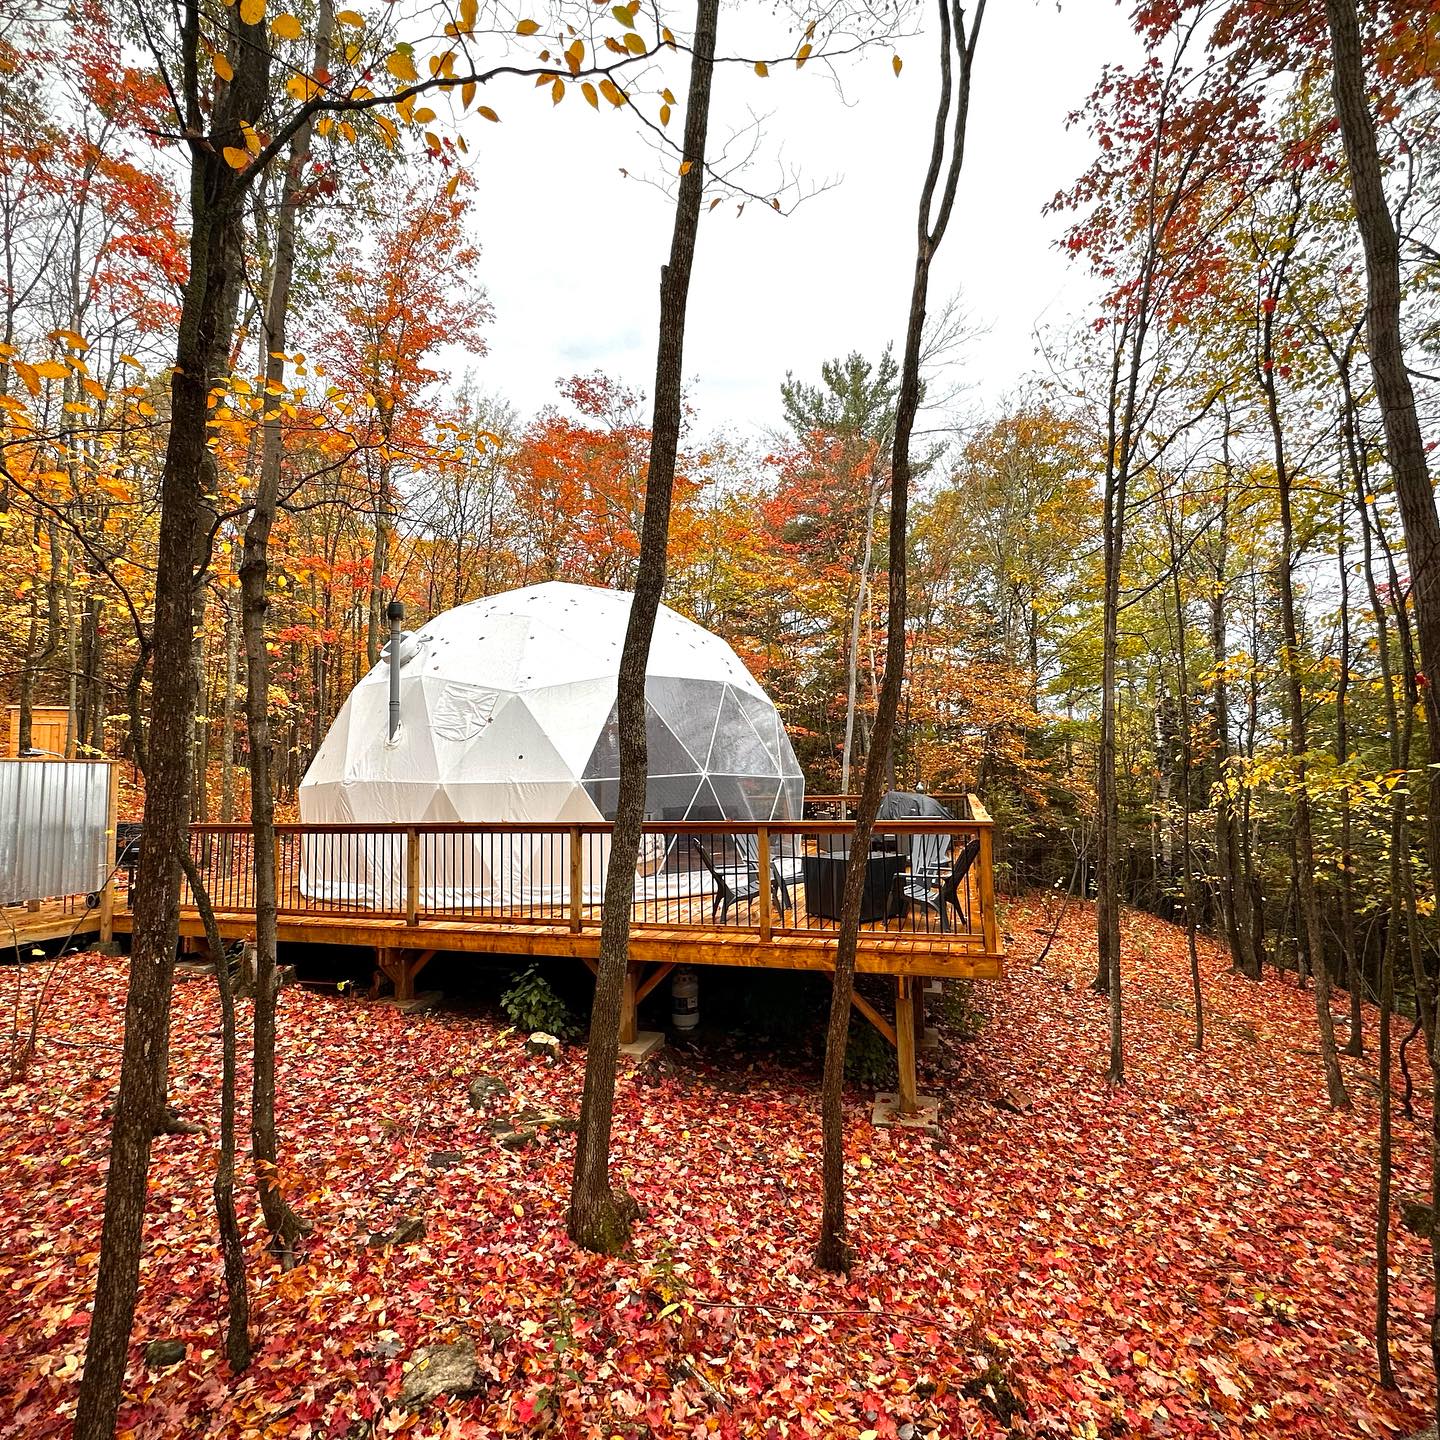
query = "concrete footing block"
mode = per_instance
[
  {"x": 425, "y": 1000},
  {"x": 926, "y": 1118},
  {"x": 646, "y": 1043}
]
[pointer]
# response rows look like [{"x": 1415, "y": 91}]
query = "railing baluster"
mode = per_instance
[
  {"x": 577, "y": 883},
  {"x": 762, "y": 868}
]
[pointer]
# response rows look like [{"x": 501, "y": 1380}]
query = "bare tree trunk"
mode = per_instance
[
  {"x": 227, "y": 738},
  {"x": 853, "y": 679},
  {"x": 1187, "y": 858},
  {"x": 200, "y": 761},
  {"x": 1308, "y": 905},
  {"x": 72, "y": 658},
  {"x": 42, "y": 639},
  {"x": 599, "y": 1218},
  {"x": 186, "y": 529},
  {"x": 833, "y": 1248},
  {"x": 95, "y": 684},
  {"x": 1227, "y": 845},
  {"x": 1404, "y": 443},
  {"x": 285, "y": 1226},
  {"x": 1406, "y": 452},
  {"x": 1400, "y": 740},
  {"x": 167, "y": 812},
  {"x": 384, "y": 529},
  {"x": 232, "y": 1245},
  {"x": 1360, "y": 479},
  {"x": 1354, "y": 975}
]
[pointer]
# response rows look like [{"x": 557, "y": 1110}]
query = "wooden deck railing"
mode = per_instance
[
  {"x": 842, "y": 807},
  {"x": 924, "y": 877}
]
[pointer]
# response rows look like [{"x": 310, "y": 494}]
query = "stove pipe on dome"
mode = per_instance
[{"x": 396, "y": 615}]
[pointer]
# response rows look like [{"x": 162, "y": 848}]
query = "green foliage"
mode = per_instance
[
  {"x": 869, "y": 1060},
  {"x": 961, "y": 1012},
  {"x": 533, "y": 1005}
]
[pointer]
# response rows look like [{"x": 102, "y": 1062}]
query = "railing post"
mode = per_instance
[
  {"x": 412, "y": 875},
  {"x": 577, "y": 882},
  {"x": 762, "y": 864},
  {"x": 277, "y": 874},
  {"x": 989, "y": 920}
]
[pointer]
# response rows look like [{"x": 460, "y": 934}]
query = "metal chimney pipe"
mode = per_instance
[{"x": 396, "y": 614}]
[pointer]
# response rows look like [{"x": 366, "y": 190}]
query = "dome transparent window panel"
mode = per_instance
[{"x": 715, "y": 753}]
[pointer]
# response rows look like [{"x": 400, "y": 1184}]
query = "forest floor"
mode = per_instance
[{"x": 1189, "y": 1254}]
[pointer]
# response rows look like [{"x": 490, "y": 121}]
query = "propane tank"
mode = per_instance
[{"x": 685, "y": 1000}]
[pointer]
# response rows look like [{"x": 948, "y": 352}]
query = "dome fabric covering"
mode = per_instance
[{"x": 507, "y": 713}]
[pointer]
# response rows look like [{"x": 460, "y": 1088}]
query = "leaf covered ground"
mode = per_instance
[{"x": 1188, "y": 1255}]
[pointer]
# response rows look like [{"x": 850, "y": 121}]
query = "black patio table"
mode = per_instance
[{"x": 823, "y": 875}]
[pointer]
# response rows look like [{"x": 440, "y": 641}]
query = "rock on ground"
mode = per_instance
[{"x": 437, "y": 1370}]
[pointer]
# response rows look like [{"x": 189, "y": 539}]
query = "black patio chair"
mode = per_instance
[
  {"x": 739, "y": 883},
  {"x": 749, "y": 848},
  {"x": 936, "y": 887}
]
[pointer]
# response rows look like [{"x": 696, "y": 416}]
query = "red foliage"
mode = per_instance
[{"x": 1188, "y": 1255}]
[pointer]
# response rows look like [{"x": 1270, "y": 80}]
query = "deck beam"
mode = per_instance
[
  {"x": 886, "y": 955},
  {"x": 873, "y": 1016}
]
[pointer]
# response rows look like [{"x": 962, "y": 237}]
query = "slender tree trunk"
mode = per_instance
[
  {"x": 284, "y": 1225},
  {"x": 833, "y": 1247},
  {"x": 156, "y": 900},
  {"x": 1404, "y": 443},
  {"x": 25, "y": 712},
  {"x": 1187, "y": 858},
  {"x": 232, "y": 1244},
  {"x": 1308, "y": 917},
  {"x": 43, "y": 636},
  {"x": 1227, "y": 826},
  {"x": 384, "y": 526},
  {"x": 857, "y": 613},
  {"x": 202, "y": 356},
  {"x": 599, "y": 1218},
  {"x": 72, "y": 658},
  {"x": 200, "y": 763},
  {"x": 1360, "y": 479},
  {"x": 1400, "y": 739},
  {"x": 227, "y": 737},
  {"x": 1424, "y": 987},
  {"x": 1354, "y": 1041},
  {"x": 95, "y": 713},
  {"x": 1406, "y": 453}
]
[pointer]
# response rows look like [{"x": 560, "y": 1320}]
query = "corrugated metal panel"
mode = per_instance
[{"x": 53, "y": 815}]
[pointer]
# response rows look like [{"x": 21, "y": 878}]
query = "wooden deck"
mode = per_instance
[
  {"x": 880, "y": 952},
  {"x": 410, "y": 892},
  {"x": 22, "y": 927},
  {"x": 532, "y": 889}
]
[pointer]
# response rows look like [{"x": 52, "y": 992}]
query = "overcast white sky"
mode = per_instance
[{"x": 572, "y": 250}]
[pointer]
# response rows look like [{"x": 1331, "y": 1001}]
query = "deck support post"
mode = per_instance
[
  {"x": 629, "y": 1025},
  {"x": 905, "y": 1008},
  {"x": 401, "y": 968}
]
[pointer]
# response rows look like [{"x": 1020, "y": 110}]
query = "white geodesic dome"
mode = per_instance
[{"x": 507, "y": 713}]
